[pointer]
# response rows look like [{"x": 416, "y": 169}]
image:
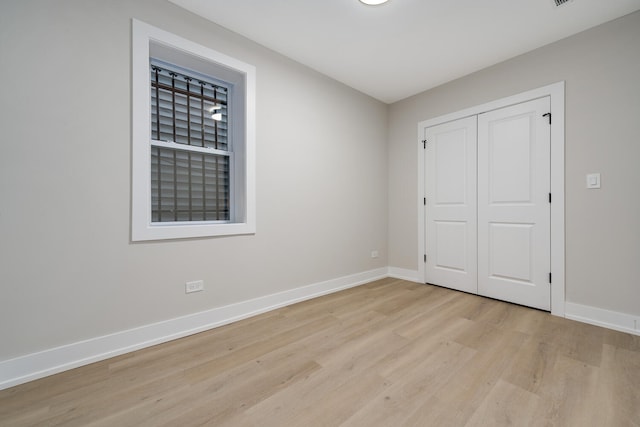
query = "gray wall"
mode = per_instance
[
  {"x": 68, "y": 271},
  {"x": 330, "y": 189},
  {"x": 601, "y": 68}
]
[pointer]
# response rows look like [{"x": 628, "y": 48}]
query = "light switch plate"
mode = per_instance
[{"x": 593, "y": 180}]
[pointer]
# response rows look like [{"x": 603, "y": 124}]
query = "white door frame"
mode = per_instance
[{"x": 556, "y": 92}]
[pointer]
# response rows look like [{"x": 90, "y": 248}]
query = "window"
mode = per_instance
[
  {"x": 193, "y": 139},
  {"x": 190, "y": 151}
]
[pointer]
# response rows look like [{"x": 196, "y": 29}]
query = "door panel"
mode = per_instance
[
  {"x": 450, "y": 167},
  {"x": 510, "y": 250},
  {"x": 451, "y": 244},
  {"x": 513, "y": 206},
  {"x": 510, "y": 160},
  {"x": 451, "y": 232}
]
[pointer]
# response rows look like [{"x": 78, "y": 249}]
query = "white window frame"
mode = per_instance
[{"x": 146, "y": 40}]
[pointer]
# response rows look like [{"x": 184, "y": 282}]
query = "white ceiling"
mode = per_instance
[{"x": 404, "y": 47}]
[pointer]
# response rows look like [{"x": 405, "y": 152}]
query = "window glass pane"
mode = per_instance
[
  {"x": 189, "y": 186},
  {"x": 182, "y": 107}
]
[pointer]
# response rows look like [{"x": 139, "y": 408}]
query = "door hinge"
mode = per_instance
[
  {"x": 425, "y": 257},
  {"x": 547, "y": 115},
  {"x": 424, "y": 144},
  {"x": 549, "y": 197},
  {"x": 549, "y": 278},
  {"x": 425, "y": 201}
]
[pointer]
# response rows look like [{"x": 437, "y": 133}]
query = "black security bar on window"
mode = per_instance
[{"x": 188, "y": 110}]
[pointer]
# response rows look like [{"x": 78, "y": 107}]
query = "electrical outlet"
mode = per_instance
[
  {"x": 374, "y": 254},
  {"x": 195, "y": 286}
]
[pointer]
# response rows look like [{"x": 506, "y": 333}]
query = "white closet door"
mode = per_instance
[
  {"x": 513, "y": 204},
  {"x": 451, "y": 233}
]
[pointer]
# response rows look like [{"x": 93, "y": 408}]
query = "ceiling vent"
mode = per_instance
[{"x": 561, "y": 2}]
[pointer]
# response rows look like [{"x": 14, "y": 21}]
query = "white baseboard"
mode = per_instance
[
  {"x": 48, "y": 362},
  {"x": 404, "y": 274},
  {"x": 600, "y": 317}
]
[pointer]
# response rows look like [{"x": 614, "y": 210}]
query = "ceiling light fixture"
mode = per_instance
[{"x": 373, "y": 2}]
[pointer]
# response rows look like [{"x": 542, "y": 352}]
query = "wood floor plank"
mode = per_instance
[
  {"x": 569, "y": 397},
  {"x": 533, "y": 364},
  {"x": 412, "y": 387},
  {"x": 506, "y": 405},
  {"x": 465, "y": 391},
  {"x": 257, "y": 349},
  {"x": 387, "y": 353},
  {"x": 404, "y": 361},
  {"x": 234, "y": 399},
  {"x": 351, "y": 364},
  {"x": 331, "y": 408},
  {"x": 618, "y": 391}
]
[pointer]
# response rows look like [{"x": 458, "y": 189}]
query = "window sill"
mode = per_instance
[{"x": 181, "y": 230}]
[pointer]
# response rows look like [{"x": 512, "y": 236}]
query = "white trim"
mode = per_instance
[
  {"x": 243, "y": 208},
  {"x": 48, "y": 362},
  {"x": 404, "y": 274},
  {"x": 606, "y": 318},
  {"x": 52, "y": 361},
  {"x": 557, "y": 205},
  {"x": 556, "y": 92}
]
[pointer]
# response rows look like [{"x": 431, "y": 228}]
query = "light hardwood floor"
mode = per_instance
[{"x": 389, "y": 353}]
